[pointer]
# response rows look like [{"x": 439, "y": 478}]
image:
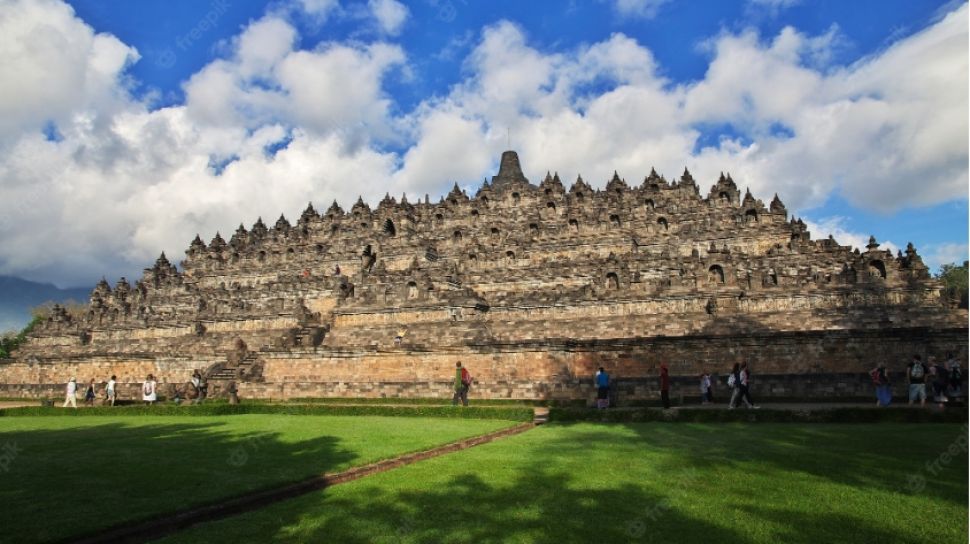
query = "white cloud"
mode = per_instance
[
  {"x": 771, "y": 7},
  {"x": 390, "y": 15},
  {"x": 936, "y": 255},
  {"x": 52, "y": 67},
  {"x": 321, "y": 9},
  {"x": 125, "y": 182},
  {"x": 835, "y": 227},
  {"x": 644, "y": 9}
]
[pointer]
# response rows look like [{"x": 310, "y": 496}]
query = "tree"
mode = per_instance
[
  {"x": 11, "y": 340},
  {"x": 955, "y": 281}
]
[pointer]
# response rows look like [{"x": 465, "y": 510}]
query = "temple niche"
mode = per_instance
[{"x": 509, "y": 276}]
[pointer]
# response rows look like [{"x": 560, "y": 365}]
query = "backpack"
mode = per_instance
[
  {"x": 874, "y": 374},
  {"x": 955, "y": 374},
  {"x": 466, "y": 377},
  {"x": 916, "y": 371},
  {"x": 732, "y": 380}
]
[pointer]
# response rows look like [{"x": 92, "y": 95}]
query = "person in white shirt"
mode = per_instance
[
  {"x": 148, "y": 390},
  {"x": 110, "y": 390},
  {"x": 706, "y": 394},
  {"x": 71, "y": 393}
]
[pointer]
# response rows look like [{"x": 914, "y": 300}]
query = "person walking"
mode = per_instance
[
  {"x": 744, "y": 376},
  {"x": 880, "y": 378},
  {"x": 89, "y": 394},
  {"x": 602, "y": 389},
  {"x": 916, "y": 375},
  {"x": 664, "y": 386},
  {"x": 941, "y": 378},
  {"x": 734, "y": 382},
  {"x": 955, "y": 387},
  {"x": 109, "y": 390},
  {"x": 463, "y": 380},
  {"x": 70, "y": 394},
  {"x": 148, "y": 390},
  {"x": 707, "y": 394}
]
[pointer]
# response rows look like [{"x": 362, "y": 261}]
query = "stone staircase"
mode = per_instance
[
  {"x": 310, "y": 335},
  {"x": 229, "y": 372}
]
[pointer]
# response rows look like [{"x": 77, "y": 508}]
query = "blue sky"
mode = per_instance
[{"x": 134, "y": 125}]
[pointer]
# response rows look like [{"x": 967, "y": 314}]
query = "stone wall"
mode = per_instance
[{"x": 796, "y": 364}]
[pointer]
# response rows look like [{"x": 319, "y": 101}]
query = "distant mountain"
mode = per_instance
[{"x": 18, "y": 296}]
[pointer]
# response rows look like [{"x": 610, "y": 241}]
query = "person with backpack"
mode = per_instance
[
  {"x": 916, "y": 375},
  {"x": 602, "y": 389},
  {"x": 880, "y": 378},
  {"x": 463, "y": 380}
]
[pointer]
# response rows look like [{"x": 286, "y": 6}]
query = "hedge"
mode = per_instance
[
  {"x": 220, "y": 409},
  {"x": 822, "y": 415},
  {"x": 436, "y": 401}
]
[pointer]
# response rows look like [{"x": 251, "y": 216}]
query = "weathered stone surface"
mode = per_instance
[{"x": 532, "y": 286}]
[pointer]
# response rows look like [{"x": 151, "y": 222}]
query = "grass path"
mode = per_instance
[
  {"x": 649, "y": 482},
  {"x": 90, "y": 473}
]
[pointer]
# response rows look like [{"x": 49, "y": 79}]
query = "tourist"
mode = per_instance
[
  {"x": 399, "y": 337},
  {"x": 664, "y": 386},
  {"x": 149, "y": 395},
  {"x": 89, "y": 394},
  {"x": 463, "y": 380},
  {"x": 955, "y": 388},
  {"x": 707, "y": 395},
  {"x": 941, "y": 378},
  {"x": 916, "y": 375},
  {"x": 71, "y": 393},
  {"x": 744, "y": 377},
  {"x": 109, "y": 390},
  {"x": 734, "y": 382},
  {"x": 602, "y": 389},
  {"x": 884, "y": 391}
]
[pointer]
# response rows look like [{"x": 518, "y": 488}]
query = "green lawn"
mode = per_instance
[
  {"x": 65, "y": 475},
  {"x": 648, "y": 482}
]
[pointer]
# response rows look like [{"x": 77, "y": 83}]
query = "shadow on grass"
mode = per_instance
[
  {"x": 540, "y": 506},
  {"x": 92, "y": 477},
  {"x": 554, "y": 486},
  {"x": 884, "y": 457}
]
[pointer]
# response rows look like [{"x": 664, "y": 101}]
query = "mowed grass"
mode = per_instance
[
  {"x": 65, "y": 476},
  {"x": 649, "y": 482}
]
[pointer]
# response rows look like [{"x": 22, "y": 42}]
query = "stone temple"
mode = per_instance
[{"x": 532, "y": 287}]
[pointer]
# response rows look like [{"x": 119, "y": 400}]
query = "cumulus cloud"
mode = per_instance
[
  {"x": 835, "y": 227},
  {"x": 644, "y": 9},
  {"x": 268, "y": 127},
  {"x": 390, "y": 15}
]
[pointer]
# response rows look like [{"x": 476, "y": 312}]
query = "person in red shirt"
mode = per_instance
[{"x": 664, "y": 385}]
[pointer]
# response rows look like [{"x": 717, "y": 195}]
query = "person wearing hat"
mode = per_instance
[{"x": 71, "y": 393}]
